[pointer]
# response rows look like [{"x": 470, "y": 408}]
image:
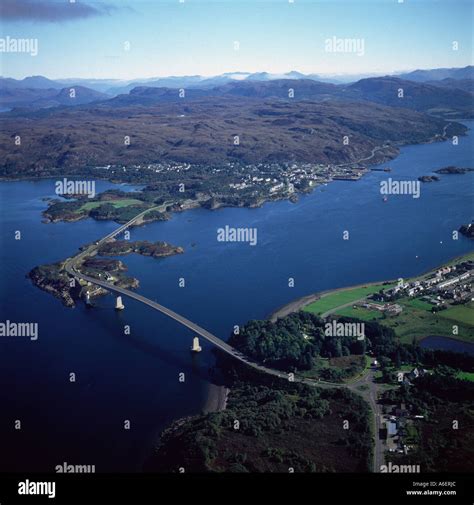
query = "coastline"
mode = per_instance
[
  {"x": 216, "y": 399},
  {"x": 370, "y": 160},
  {"x": 301, "y": 302}
]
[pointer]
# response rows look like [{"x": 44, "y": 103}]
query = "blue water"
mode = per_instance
[
  {"x": 135, "y": 376},
  {"x": 447, "y": 344}
]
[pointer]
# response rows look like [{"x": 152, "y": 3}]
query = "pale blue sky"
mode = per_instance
[{"x": 197, "y": 37}]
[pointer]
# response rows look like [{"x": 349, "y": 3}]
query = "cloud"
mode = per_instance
[{"x": 50, "y": 11}]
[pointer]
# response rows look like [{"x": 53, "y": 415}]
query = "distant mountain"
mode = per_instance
[
  {"x": 437, "y": 74},
  {"x": 299, "y": 89},
  {"x": 302, "y": 89},
  {"x": 33, "y": 82},
  {"x": 118, "y": 86},
  {"x": 464, "y": 84},
  {"x": 176, "y": 82},
  {"x": 197, "y": 81},
  {"x": 102, "y": 85},
  {"x": 424, "y": 97},
  {"x": 46, "y": 98},
  {"x": 446, "y": 97},
  {"x": 437, "y": 100}
]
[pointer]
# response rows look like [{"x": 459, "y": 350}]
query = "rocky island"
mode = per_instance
[
  {"x": 428, "y": 178},
  {"x": 453, "y": 170},
  {"x": 55, "y": 280},
  {"x": 143, "y": 247}
]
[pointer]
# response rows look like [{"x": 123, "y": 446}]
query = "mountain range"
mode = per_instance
[
  {"x": 291, "y": 119},
  {"x": 447, "y": 97},
  {"x": 116, "y": 86}
]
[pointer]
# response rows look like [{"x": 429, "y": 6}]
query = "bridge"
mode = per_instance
[{"x": 71, "y": 269}]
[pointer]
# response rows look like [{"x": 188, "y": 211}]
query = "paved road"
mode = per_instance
[{"x": 370, "y": 395}]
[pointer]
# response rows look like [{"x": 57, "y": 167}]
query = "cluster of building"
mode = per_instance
[
  {"x": 390, "y": 309},
  {"x": 272, "y": 178},
  {"x": 451, "y": 283},
  {"x": 398, "y": 422}
]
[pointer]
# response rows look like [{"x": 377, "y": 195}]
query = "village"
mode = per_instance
[{"x": 448, "y": 286}]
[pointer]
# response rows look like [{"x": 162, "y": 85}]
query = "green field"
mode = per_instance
[
  {"x": 418, "y": 323},
  {"x": 359, "y": 313},
  {"x": 416, "y": 303},
  {"x": 416, "y": 320},
  {"x": 462, "y": 313},
  {"x": 335, "y": 299},
  {"x": 124, "y": 202}
]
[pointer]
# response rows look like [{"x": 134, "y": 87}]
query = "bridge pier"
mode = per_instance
[
  {"x": 196, "y": 347},
  {"x": 118, "y": 303}
]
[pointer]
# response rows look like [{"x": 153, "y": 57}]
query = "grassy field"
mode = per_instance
[
  {"x": 416, "y": 320},
  {"x": 338, "y": 298},
  {"x": 359, "y": 313},
  {"x": 417, "y": 304},
  {"x": 124, "y": 202},
  {"x": 462, "y": 313},
  {"x": 418, "y": 323}
]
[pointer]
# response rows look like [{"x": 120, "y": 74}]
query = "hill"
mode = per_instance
[
  {"x": 203, "y": 131},
  {"x": 418, "y": 96},
  {"x": 439, "y": 73},
  {"x": 38, "y": 98}
]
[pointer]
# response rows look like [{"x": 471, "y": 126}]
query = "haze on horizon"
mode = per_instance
[{"x": 141, "y": 39}]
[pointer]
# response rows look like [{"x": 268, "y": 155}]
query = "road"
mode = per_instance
[
  {"x": 369, "y": 391},
  {"x": 369, "y": 394}
]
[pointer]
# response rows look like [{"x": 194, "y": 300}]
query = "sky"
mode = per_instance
[{"x": 125, "y": 39}]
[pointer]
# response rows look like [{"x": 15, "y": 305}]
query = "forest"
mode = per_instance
[{"x": 271, "y": 428}]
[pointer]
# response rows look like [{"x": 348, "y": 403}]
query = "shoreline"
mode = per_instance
[
  {"x": 369, "y": 161},
  {"x": 216, "y": 400},
  {"x": 301, "y": 302}
]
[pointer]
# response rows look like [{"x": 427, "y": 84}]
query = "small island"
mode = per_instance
[
  {"x": 467, "y": 230},
  {"x": 55, "y": 280},
  {"x": 428, "y": 178},
  {"x": 451, "y": 170},
  {"x": 113, "y": 205},
  {"x": 143, "y": 247}
]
